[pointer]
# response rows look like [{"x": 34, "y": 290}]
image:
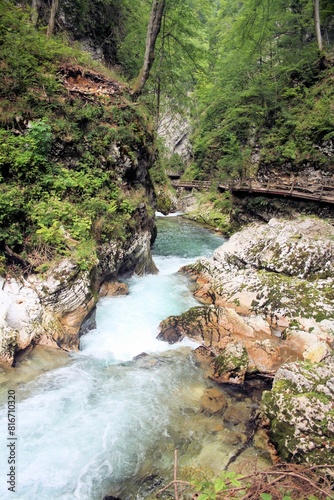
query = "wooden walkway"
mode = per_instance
[{"x": 322, "y": 191}]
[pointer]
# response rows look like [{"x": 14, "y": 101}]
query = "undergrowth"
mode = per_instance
[{"x": 68, "y": 160}]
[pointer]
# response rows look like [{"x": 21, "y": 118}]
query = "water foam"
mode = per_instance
[{"x": 94, "y": 424}]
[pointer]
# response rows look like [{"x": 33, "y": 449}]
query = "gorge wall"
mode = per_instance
[{"x": 76, "y": 193}]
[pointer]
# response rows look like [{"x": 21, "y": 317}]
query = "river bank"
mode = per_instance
[
  {"x": 268, "y": 309},
  {"x": 147, "y": 398}
]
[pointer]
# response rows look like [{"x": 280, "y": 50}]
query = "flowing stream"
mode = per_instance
[{"x": 98, "y": 421}]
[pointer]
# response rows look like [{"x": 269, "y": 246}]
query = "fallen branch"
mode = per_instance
[
  {"x": 175, "y": 476},
  {"x": 178, "y": 481}
]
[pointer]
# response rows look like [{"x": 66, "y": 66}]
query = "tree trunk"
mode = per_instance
[
  {"x": 34, "y": 12},
  {"x": 317, "y": 24},
  {"x": 158, "y": 91},
  {"x": 52, "y": 19},
  {"x": 153, "y": 30}
]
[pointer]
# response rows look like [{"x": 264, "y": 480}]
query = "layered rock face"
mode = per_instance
[
  {"x": 175, "y": 130},
  {"x": 268, "y": 308},
  {"x": 51, "y": 309}
]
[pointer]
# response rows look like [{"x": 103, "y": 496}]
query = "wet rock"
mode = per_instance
[
  {"x": 202, "y": 354},
  {"x": 213, "y": 401},
  {"x": 113, "y": 289},
  {"x": 300, "y": 410},
  {"x": 170, "y": 331},
  {"x": 219, "y": 327},
  {"x": 238, "y": 413}
]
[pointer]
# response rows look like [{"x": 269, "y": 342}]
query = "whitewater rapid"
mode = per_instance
[{"x": 103, "y": 421}]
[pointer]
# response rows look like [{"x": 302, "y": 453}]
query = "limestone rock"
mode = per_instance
[
  {"x": 51, "y": 309},
  {"x": 175, "y": 130},
  {"x": 222, "y": 330},
  {"x": 283, "y": 270},
  {"x": 279, "y": 279},
  {"x": 300, "y": 409},
  {"x": 113, "y": 289},
  {"x": 317, "y": 352}
]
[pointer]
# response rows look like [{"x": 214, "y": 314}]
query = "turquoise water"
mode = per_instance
[
  {"x": 178, "y": 237},
  {"x": 102, "y": 421}
]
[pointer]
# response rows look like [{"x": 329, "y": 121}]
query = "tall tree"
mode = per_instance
[
  {"x": 52, "y": 18},
  {"x": 153, "y": 30},
  {"x": 317, "y": 24},
  {"x": 34, "y": 12}
]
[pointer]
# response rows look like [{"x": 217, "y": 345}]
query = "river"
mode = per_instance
[{"x": 99, "y": 421}]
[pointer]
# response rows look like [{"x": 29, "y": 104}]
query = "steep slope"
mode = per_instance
[{"x": 76, "y": 193}]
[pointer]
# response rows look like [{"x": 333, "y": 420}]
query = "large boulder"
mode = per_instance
[
  {"x": 239, "y": 344},
  {"x": 280, "y": 274},
  {"x": 284, "y": 269},
  {"x": 267, "y": 295},
  {"x": 301, "y": 413}
]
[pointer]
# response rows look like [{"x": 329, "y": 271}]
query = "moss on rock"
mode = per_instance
[
  {"x": 300, "y": 409},
  {"x": 231, "y": 364}
]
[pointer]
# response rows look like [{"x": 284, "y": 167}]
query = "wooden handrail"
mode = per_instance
[{"x": 323, "y": 191}]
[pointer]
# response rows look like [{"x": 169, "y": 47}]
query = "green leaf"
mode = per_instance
[
  {"x": 219, "y": 485},
  {"x": 266, "y": 496},
  {"x": 203, "y": 496}
]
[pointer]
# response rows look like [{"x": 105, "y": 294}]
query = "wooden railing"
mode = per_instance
[
  {"x": 192, "y": 184},
  {"x": 320, "y": 191}
]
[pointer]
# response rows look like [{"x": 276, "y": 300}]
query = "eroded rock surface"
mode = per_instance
[
  {"x": 300, "y": 408},
  {"x": 51, "y": 309},
  {"x": 283, "y": 268},
  {"x": 268, "y": 290},
  {"x": 113, "y": 289}
]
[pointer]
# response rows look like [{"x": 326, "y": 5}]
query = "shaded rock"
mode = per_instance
[
  {"x": 113, "y": 289},
  {"x": 89, "y": 323},
  {"x": 213, "y": 401},
  {"x": 231, "y": 364},
  {"x": 237, "y": 414},
  {"x": 300, "y": 409}
]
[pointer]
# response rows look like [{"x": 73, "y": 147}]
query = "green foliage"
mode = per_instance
[
  {"x": 24, "y": 156},
  {"x": 209, "y": 489},
  {"x": 192, "y": 173},
  {"x": 61, "y": 158},
  {"x": 268, "y": 90},
  {"x": 213, "y": 209},
  {"x": 11, "y": 215}
]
